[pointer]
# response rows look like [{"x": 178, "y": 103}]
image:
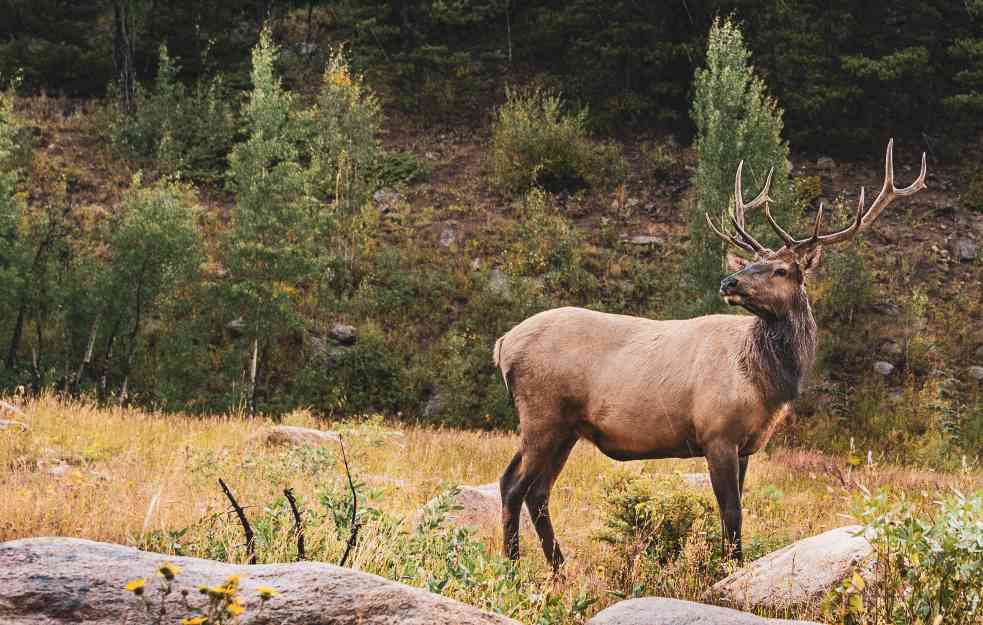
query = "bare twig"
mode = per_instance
[
  {"x": 353, "y": 537},
  {"x": 298, "y": 526},
  {"x": 246, "y": 528}
]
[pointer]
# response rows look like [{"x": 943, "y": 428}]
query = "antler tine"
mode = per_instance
[
  {"x": 787, "y": 239},
  {"x": 728, "y": 238},
  {"x": 889, "y": 192},
  {"x": 737, "y": 217}
]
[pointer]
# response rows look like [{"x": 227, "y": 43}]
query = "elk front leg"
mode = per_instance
[
  {"x": 743, "y": 472},
  {"x": 725, "y": 477}
]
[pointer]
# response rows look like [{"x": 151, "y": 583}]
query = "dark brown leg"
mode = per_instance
[
  {"x": 538, "y": 500},
  {"x": 725, "y": 477},
  {"x": 511, "y": 507},
  {"x": 743, "y": 470}
]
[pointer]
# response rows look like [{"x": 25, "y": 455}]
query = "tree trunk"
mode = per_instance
[{"x": 124, "y": 45}]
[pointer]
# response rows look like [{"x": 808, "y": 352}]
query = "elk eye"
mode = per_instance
[{"x": 780, "y": 271}]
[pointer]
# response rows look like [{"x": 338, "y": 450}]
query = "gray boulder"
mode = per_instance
[
  {"x": 480, "y": 509},
  {"x": 883, "y": 367},
  {"x": 975, "y": 372},
  {"x": 799, "y": 573},
  {"x": 825, "y": 163},
  {"x": 659, "y": 611},
  {"x": 50, "y": 581},
  {"x": 343, "y": 333},
  {"x": 963, "y": 249},
  {"x": 294, "y": 436},
  {"x": 12, "y": 425}
]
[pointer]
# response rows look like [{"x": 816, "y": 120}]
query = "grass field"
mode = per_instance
[{"x": 138, "y": 478}]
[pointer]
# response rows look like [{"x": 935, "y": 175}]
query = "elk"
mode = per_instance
[{"x": 715, "y": 386}]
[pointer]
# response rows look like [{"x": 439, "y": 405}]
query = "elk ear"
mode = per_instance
[
  {"x": 810, "y": 260},
  {"x": 735, "y": 263}
]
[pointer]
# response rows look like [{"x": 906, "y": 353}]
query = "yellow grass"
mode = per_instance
[{"x": 126, "y": 473}]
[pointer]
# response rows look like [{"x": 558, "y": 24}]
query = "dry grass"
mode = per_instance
[{"x": 117, "y": 475}]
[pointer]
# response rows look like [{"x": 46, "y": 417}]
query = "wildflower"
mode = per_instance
[
  {"x": 232, "y": 584},
  {"x": 216, "y": 592},
  {"x": 169, "y": 571},
  {"x": 203, "y": 589},
  {"x": 197, "y": 620},
  {"x": 266, "y": 593},
  {"x": 235, "y": 608},
  {"x": 136, "y": 586}
]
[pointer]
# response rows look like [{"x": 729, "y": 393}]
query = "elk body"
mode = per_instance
[{"x": 715, "y": 386}]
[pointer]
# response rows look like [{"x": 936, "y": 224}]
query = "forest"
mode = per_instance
[{"x": 345, "y": 212}]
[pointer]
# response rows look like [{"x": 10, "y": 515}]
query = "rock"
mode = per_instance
[
  {"x": 891, "y": 348},
  {"x": 963, "y": 249},
  {"x": 644, "y": 239},
  {"x": 298, "y": 436},
  {"x": 883, "y": 367},
  {"x": 448, "y": 237},
  {"x": 696, "y": 479},
  {"x": 979, "y": 352},
  {"x": 12, "y": 425},
  {"x": 6, "y": 406},
  {"x": 434, "y": 406},
  {"x": 386, "y": 198},
  {"x": 799, "y": 573},
  {"x": 344, "y": 334},
  {"x": 825, "y": 163},
  {"x": 54, "y": 581},
  {"x": 476, "y": 264},
  {"x": 498, "y": 283},
  {"x": 480, "y": 508},
  {"x": 236, "y": 327},
  {"x": 975, "y": 372},
  {"x": 886, "y": 308},
  {"x": 659, "y": 611}
]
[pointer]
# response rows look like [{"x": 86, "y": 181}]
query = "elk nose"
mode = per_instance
[{"x": 728, "y": 283}]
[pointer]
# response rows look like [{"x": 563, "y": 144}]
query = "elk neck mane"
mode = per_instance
[{"x": 779, "y": 351}]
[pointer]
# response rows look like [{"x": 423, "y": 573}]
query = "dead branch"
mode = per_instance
[
  {"x": 246, "y": 528},
  {"x": 298, "y": 525},
  {"x": 353, "y": 537}
]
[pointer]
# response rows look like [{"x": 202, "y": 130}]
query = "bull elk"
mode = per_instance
[{"x": 715, "y": 386}]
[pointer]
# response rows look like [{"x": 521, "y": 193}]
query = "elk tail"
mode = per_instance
[{"x": 506, "y": 375}]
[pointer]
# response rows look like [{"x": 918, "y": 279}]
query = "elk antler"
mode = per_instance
[
  {"x": 746, "y": 242},
  {"x": 864, "y": 219}
]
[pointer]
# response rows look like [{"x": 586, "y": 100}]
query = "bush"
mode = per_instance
[
  {"x": 735, "y": 120},
  {"x": 926, "y": 569},
  {"x": 178, "y": 130},
  {"x": 650, "y": 523},
  {"x": 972, "y": 198},
  {"x": 536, "y": 143},
  {"x": 343, "y": 149}
]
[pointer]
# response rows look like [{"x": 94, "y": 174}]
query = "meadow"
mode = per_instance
[{"x": 150, "y": 480}]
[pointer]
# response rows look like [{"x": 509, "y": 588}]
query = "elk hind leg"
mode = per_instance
[
  {"x": 511, "y": 507},
  {"x": 538, "y": 498}
]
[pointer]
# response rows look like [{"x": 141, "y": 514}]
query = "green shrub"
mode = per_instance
[
  {"x": 806, "y": 191},
  {"x": 343, "y": 148},
  {"x": 972, "y": 198},
  {"x": 397, "y": 167},
  {"x": 925, "y": 568},
  {"x": 735, "y": 120},
  {"x": 536, "y": 143},
  {"x": 176, "y": 129},
  {"x": 850, "y": 287},
  {"x": 650, "y": 523}
]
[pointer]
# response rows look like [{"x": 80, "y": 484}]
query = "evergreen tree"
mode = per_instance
[{"x": 736, "y": 121}]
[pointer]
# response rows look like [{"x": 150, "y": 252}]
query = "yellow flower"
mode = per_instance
[
  {"x": 235, "y": 608},
  {"x": 232, "y": 583},
  {"x": 169, "y": 571},
  {"x": 203, "y": 589},
  {"x": 136, "y": 586},
  {"x": 198, "y": 620},
  {"x": 266, "y": 593}
]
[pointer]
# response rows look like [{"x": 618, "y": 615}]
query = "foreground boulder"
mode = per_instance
[
  {"x": 298, "y": 437},
  {"x": 801, "y": 572},
  {"x": 49, "y": 581},
  {"x": 659, "y": 611},
  {"x": 480, "y": 508}
]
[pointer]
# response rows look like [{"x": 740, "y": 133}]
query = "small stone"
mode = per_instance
[
  {"x": 478, "y": 507},
  {"x": 298, "y": 437},
  {"x": 976, "y": 372},
  {"x": 385, "y": 198},
  {"x": 447, "y": 237},
  {"x": 644, "y": 239},
  {"x": 476, "y": 264},
  {"x": 886, "y": 308},
  {"x": 343, "y": 333},
  {"x": 891, "y": 348},
  {"x": 12, "y": 425},
  {"x": 696, "y": 479},
  {"x": 6, "y": 406},
  {"x": 883, "y": 368},
  {"x": 498, "y": 282},
  {"x": 825, "y": 163},
  {"x": 59, "y": 470},
  {"x": 979, "y": 352},
  {"x": 963, "y": 249},
  {"x": 435, "y": 405},
  {"x": 236, "y": 327}
]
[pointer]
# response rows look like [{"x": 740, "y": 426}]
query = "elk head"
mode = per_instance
[{"x": 774, "y": 281}]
